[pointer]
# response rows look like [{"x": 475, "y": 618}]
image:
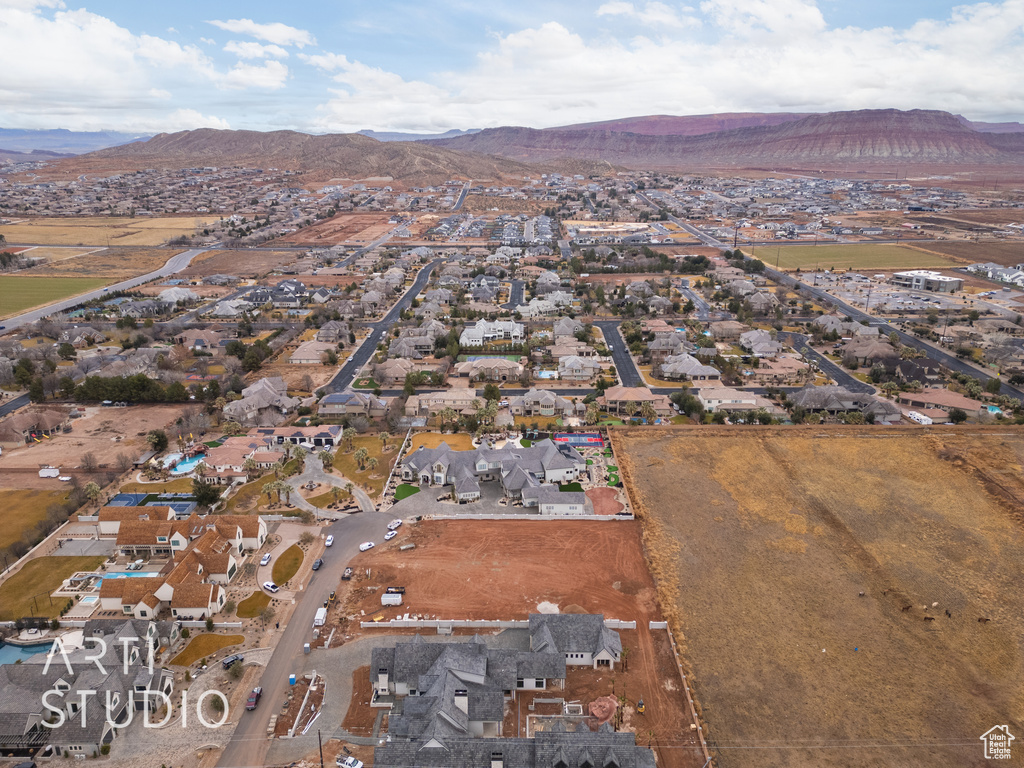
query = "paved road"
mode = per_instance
[
  {"x": 13, "y": 404},
  {"x": 952, "y": 362},
  {"x": 703, "y": 312},
  {"x": 173, "y": 265},
  {"x": 799, "y": 341},
  {"x": 366, "y": 249},
  {"x": 516, "y": 295},
  {"x": 249, "y": 743},
  {"x": 343, "y": 379},
  {"x": 702, "y": 236},
  {"x": 624, "y": 365},
  {"x": 462, "y": 196},
  {"x": 563, "y": 246}
]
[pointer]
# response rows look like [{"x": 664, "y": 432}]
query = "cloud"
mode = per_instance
[
  {"x": 190, "y": 119},
  {"x": 275, "y": 32},
  {"x": 757, "y": 55},
  {"x": 250, "y": 50},
  {"x": 652, "y": 14},
  {"x": 270, "y": 75}
]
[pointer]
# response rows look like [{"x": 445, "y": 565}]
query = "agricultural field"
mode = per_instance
[
  {"x": 19, "y": 294},
  {"x": 861, "y": 257},
  {"x": 22, "y": 510},
  {"x": 354, "y": 228},
  {"x": 1009, "y": 254},
  {"x": 827, "y": 585},
  {"x": 241, "y": 263},
  {"x": 102, "y": 230},
  {"x": 112, "y": 264},
  {"x": 509, "y": 569}
]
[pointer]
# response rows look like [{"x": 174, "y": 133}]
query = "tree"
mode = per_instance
[
  {"x": 335, "y": 494},
  {"x": 384, "y": 437},
  {"x": 124, "y": 462},
  {"x": 67, "y": 351},
  {"x": 492, "y": 392},
  {"x": 348, "y": 435},
  {"x": 348, "y": 489},
  {"x": 993, "y": 385},
  {"x": 205, "y": 494},
  {"x": 593, "y": 413},
  {"x": 251, "y": 467},
  {"x": 958, "y": 415},
  {"x": 360, "y": 456},
  {"x": 89, "y": 463},
  {"x": 36, "y": 393},
  {"x": 372, "y": 463},
  {"x": 157, "y": 440},
  {"x": 267, "y": 616},
  {"x": 327, "y": 459},
  {"x": 91, "y": 491}
]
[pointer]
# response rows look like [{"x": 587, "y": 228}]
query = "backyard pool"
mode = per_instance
[
  {"x": 11, "y": 653},
  {"x": 89, "y": 600}
]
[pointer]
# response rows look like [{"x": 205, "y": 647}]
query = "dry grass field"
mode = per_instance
[
  {"x": 356, "y": 228},
  {"x": 101, "y": 230},
  {"x": 1009, "y": 254},
  {"x": 242, "y": 263},
  {"x": 112, "y": 264},
  {"x": 762, "y": 541},
  {"x": 22, "y": 510},
  {"x": 856, "y": 256}
]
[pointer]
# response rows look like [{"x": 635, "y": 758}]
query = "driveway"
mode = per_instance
[{"x": 314, "y": 471}]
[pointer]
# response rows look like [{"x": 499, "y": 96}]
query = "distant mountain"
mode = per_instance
[
  {"x": 63, "y": 141},
  {"x": 991, "y": 127},
  {"x": 10, "y": 155},
  {"x": 837, "y": 139},
  {"x": 334, "y": 155},
  {"x": 686, "y": 125},
  {"x": 393, "y": 136}
]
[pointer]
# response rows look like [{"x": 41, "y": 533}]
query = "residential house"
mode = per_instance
[
  {"x": 432, "y": 403},
  {"x": 619, "y": 400},
  {"x": 727, "y": 330},
  {"x": 339, "y": 404},
  {"x": 312, "y": 353},
  {"x": 333, "y": 332},
  {"x": 487, "y": 331},
  {"x": 574, "y": 368},
  {"x": 782, "y": 371},
  {"x": 266, "y": 401},
  {"x": 542, "y": 402},
  {"x": 942, "y": 399},
  {"x": 665, "y": 345},
  {"x": 727, "y": 399},
  {"x": 760, "y": 343},
  {"x": 489, "y": 369},
  {"x": 835, "y": 400},
  {"x": 762, "y": 303},
  {"x": 923, "y": 370},
  {"x": 686, "y": 367},
  {"x": 566, "y": 328}
]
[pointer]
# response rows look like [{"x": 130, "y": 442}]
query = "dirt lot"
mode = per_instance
[
  {"x": 105, "y": 432},
  {"x": 242, "y": 263},
  {"x": 496, "y": 569},
  {"x": 114, "y": 263},
  {"x": 763, "y": 540},
  {"x": 605, "y": 501},
  {"x": 355, "y": 228},
  {"x": 1009, "y": 254}
]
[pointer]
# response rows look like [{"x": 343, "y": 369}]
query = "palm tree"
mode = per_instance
[
  {"x": 335, "y": 494},
  {"x": 201, "y": 470},
  {"x": 648, "y": 412},
  {"x": 326, "y": 458},
  {"x": 250, "y": 466},
  {"x": 372, "y": 463},
  {"x": 348, "y": 489},
  {"x": 384, "y": 437},
  {"x": 360, "y": 456},
  {"x": 299, "y": 453},
  {"x": 889, "y": 388},
  {"x": 91, "y": 491},
  {"x": 632, "y": 408},
  {"x": 593, "y": 413},
  {"x": 348, "y": 435}
]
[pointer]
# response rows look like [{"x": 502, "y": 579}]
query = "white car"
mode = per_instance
[
  {"x": 329, "y": 541},
  {"x": 390, "y": 535},
  {"x": 65, "y": 478},
  {"x": 348, "y": 762},
  {"x": 394, "y": 525},
  {"x": 366, "y": 545},
  {"x": 265, "y": 560},
  {"x": 270, "y": 586}
]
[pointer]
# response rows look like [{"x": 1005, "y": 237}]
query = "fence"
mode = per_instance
[
  {"x": 689, "y": 696},
  {"x": 471, "y": 624},
  {"x": 456, "y": 515},
  {"x": 44, "y": 547}
]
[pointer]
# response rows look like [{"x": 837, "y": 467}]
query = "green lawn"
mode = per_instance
[
  {"x": 858, "y": 256},
  {"x": 404, "y": 491},
  {"x": 38, "y": 579},
  {"x": 202, "y": 646},
  {"x": 526, "y": 443},
  {"x": 590, "y": 462},
  {"x": 613, "y": 480},
  {"x": 287, "y": 564},
  {"x": 612, "y": 469},
  {"x": 365, "y": 383},
  {"x": 181, "y": 485},
  {"x": 250, "y": 493},
  {"x": 18, "y": 293},
  {"x": 251, "y": 607},
  {"x": 571, "y": 488},
  {"x": 345, "y": 462},
  {"x": 21, "y": 511}
]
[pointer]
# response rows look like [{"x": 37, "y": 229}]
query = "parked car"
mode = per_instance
[
  {"x": 270, "y": 586},
  {"x": 254, "y": 698},
  {"x": 231, "y": 660},
  {"x": 348, "y": 762},
  {"x": 347, "y": 575},
  {"x": 329, "y": 541},
  {"x": 265, "y": 560},
  {"x": 317, "y": 563},
  {"x": 394, "y": 525},
  {"x": 366, "y": 545},
  {"x": 395, "y": 590},
  {"x": 390, "y": 535}
]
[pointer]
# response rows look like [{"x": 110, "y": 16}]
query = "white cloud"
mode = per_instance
[
  {"x": 28, "y": 5},
  {"x": 190, "y": 119},
  {"x": 761, "y": 55},
  {"x": 656, "y": 15},
  {"x": 250, "y": 50},
  {"x": 270, "y": 75},
  {"x": 275, "y": 32}
]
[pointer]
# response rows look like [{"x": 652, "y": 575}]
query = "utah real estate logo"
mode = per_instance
[{"x": 997, "y": 742}]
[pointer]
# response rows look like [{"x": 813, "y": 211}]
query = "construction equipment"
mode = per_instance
[{"x": 640, "y": 707}]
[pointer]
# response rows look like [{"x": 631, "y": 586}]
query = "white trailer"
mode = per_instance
[
  {"x": 49, "y": 472},
  {"x": 390, "y": 598},
  {"x": 321, "y": 617}
]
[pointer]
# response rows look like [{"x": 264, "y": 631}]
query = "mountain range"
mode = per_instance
[{"x": 869, "y": 140}]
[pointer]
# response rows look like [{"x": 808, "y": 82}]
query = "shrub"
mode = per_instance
[
  {"x": 209, "y": 624},
  {"x": 185, "y": 633}
]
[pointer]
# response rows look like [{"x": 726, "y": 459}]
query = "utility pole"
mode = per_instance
[{"x": 320, "y": 741}]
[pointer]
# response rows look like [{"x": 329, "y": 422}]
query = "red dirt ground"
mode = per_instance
[
  {"x": 464, "y": 569},
  {"x": 343, "y": 228},
  {"x": 605, "y": 501}
]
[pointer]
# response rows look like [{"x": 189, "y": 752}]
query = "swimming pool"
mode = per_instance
[
  {"x": 89, "y": 600},
  {"x": 11, "y": 653},
  {"x": 186, "y": 466},
  {"x": 125, "y": 575}
]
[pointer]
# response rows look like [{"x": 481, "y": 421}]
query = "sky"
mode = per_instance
[{"x": 396, "y": 65}]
